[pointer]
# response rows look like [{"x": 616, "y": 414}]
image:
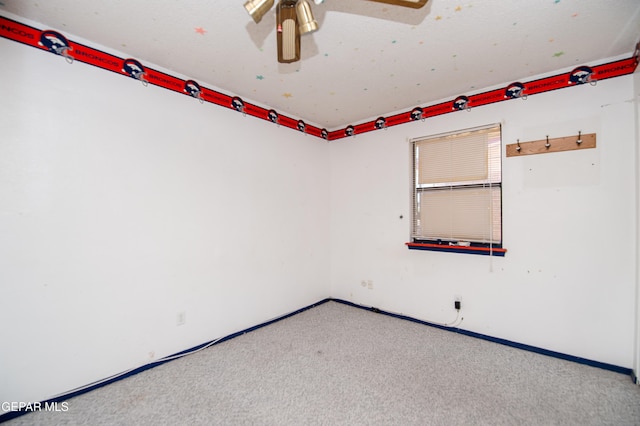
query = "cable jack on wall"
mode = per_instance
[{"x": 457, "y": 305}]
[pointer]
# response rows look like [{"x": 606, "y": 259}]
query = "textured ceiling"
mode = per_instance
[{"x": 367, "y": 58}]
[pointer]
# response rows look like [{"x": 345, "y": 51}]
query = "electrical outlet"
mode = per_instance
[
  {"x": 181, "y": 318},
  {"x": 370, "y": 284}
]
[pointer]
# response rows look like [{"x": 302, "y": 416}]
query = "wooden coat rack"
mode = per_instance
[{"x": 543, "y": 146}]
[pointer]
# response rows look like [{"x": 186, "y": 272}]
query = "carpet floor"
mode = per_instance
[{"x": 335, "y": 364}]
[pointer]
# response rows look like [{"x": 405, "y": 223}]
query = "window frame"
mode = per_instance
[{"x": 487, "y": 247}]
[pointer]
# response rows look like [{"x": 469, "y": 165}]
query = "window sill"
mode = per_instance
[{"x": 486, "y": 251}]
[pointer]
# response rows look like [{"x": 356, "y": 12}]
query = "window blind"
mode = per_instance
[{"x": 457, "y": 187}]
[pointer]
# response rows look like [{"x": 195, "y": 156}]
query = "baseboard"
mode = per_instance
[
  {"x": 592, "y": 363},
  {"x": 100, "y": 383},
  {"x": 13, "y": 414}
]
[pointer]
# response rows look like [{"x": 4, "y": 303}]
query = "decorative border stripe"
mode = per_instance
[
  {"x": 74, "y": 51},
  {"x": 54, "y": 42},
  {"x": 578, "y": 76}
]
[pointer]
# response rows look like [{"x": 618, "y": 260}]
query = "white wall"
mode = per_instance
[
  {"x": 123, "y": 205},
  {"x": 567, "y": 282}
]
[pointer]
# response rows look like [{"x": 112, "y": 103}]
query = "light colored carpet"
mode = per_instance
[{"x": 339, "y": 365}]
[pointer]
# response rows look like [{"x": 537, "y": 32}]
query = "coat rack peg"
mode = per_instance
[
  {"x": 579, "y": 141},
  {"x": 547, "y": 145},
  {"x": 518, "y": 148}
]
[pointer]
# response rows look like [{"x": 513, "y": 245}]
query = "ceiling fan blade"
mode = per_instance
[{"x": 416, "y": 4}]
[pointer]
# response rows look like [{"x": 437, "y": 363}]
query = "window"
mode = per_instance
[{"x": 457, "y": 191}]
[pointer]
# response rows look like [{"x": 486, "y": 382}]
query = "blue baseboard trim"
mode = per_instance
[
  {"x": 592, "y": 363},
  {"x": 104, "y": 382},
  {"x": 13, "y": 414}
]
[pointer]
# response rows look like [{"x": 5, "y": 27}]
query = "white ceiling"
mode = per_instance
[{"x": 367, "y": 59}]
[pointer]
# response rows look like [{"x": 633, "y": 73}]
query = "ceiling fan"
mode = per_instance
[{"x": 295, "y": 18}]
